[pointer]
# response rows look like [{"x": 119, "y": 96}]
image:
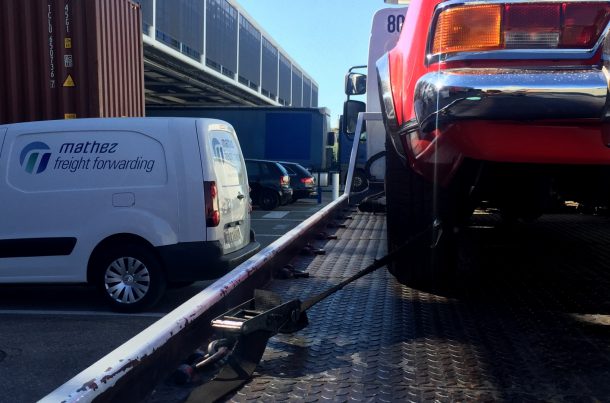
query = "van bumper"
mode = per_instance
[{"x": 194, "y": 261}]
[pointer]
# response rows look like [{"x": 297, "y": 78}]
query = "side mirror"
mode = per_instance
[
  {"x": 351, "y": 109},
  {"x": 330, "y": 139},
  {"x": 355, "y": 84}
]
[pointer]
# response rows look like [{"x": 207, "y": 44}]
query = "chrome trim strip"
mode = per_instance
[
  {"x": 510, "y": 94},
  {"x": 385, "y": 93}
]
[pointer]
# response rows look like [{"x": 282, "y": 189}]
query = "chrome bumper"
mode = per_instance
[
  {"x": 509, "y": 94},
  {"x": 385, "y": 94}
]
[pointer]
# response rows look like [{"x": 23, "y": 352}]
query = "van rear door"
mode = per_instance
[{"x": 229, "y": 170}]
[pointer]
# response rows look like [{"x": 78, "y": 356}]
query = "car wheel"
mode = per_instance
[
  {"x": 129, "y": 277},
  {"x": 426, "y": 264},
  {"x": 269, "y": 200},
  {"x": 359, "y": 181}
]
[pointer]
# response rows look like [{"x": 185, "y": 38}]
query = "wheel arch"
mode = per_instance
[{"x": 118, "y": 239}]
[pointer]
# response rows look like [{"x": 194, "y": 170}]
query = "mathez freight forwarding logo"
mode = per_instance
[
  {"x": 34, "y": 157},
  {"x": 85, "y": 156}
]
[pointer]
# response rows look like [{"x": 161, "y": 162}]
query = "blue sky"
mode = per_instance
[{"x": 325, "y": 37}]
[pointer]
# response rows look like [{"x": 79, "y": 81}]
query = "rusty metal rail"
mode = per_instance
[{"x": 131, "y": 371}]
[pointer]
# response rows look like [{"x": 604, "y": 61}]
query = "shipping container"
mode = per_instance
[
  {"x": 62, "y": 59},
  {"x": 300, "y": 135}
]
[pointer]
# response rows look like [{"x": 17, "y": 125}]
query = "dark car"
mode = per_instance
[
  {"x": 302, "y": 181},
  {"x": 269, "y": 183}
]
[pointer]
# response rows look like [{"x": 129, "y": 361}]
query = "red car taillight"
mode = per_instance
[
  {"x": 307, "y": 181},
  {"x": 469, "y": 28},
  {"x": 583, "y": 24},
  {"x": 212, "y": 214},
  {"x": 284, "y": 180},
  {"x": 532, "y": 26}
]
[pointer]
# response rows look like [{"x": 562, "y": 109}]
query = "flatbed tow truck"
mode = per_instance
[
  {"x": 526, "y": 319},
  {"x": 531, "y": 325}
]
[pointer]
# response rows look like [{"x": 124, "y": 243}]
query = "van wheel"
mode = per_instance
[
  {"x": 130, "y": 277},
  {"x": 269, "y": 200}
]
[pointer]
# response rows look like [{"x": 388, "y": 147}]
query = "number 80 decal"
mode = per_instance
[{"x": 395, "y": 23}]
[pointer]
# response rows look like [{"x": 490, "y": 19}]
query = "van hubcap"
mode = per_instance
[{"x": 127, "y": 280}]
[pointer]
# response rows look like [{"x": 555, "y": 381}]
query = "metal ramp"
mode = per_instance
[
  {"x": 531, "y": 324},
  {"x": 509, "y": 336}
]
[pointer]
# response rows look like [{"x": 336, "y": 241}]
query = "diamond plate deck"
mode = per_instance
[{"x": 532, "y": 323}]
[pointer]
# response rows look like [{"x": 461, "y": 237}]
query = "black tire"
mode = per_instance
[
  {"x": 360, "y": 181},
  {"x": 410, "y": 214},
  {"x": 269, "y": 199},
  {"x": 129, "y": 277}
]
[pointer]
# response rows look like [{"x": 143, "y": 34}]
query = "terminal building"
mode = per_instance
[{"x": 211, "y": 52}]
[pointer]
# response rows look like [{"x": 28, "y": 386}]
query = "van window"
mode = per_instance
[{"x": 227, "y": 159}]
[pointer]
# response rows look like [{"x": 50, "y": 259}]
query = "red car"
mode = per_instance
[{"x": 503, "y": 102}]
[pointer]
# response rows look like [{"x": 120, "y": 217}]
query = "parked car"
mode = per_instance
[
  {"x": 130, "y": 205},
  {"x": 269, "y": 183},
  {"x": 498, "y": 102},
  {"x": 302, "y": 181}
]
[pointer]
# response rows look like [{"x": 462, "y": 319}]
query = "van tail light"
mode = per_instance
[
  {"x": 212, "y": 213},
  {"x": 307, "y": 181},
  {"x": 284, "y": 180},
  {"x": 469, "y": 28}
]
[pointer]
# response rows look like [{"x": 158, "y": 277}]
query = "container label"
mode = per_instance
[
  {"x": 67, "y": 18},
  {"x": 69, "y": 81},
  {"x": 51, "y": 45},
  {"x": 68, "y": 43}
]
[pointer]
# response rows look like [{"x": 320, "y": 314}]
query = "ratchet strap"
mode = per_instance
[{"x": 253, "y": 329}]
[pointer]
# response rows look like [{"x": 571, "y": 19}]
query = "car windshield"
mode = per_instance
[
  {"x": 289, "y": 169},
  {"x": 296, "y": 169}
]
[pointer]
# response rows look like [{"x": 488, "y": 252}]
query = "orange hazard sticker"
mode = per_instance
[
  {"x": 69, "y": 82},
  {"x": 67, "y": 43}
]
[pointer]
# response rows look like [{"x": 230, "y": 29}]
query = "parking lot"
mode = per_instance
[{"x": 50, "y": 333}]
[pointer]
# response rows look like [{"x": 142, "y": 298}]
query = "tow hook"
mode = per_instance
[{"x": 437, "y": 232}]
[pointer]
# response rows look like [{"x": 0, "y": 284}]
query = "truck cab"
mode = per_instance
[{"x": 362, "y": 81}]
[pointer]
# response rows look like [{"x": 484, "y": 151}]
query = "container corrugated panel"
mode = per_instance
[{"x": 62, "y": 59}]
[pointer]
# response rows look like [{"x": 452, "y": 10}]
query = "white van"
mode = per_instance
[{"x": 129, "y": 204}]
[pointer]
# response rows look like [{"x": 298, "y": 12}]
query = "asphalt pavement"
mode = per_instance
[{"x": 48, "y": 334}]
